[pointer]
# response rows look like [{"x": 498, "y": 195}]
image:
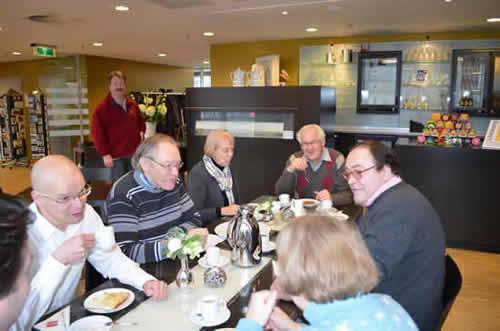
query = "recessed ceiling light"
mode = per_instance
[
  {"x": 208, "y": 34},
  {"x": 206, "y": 62},
  {"x": 448, "y": 0},
  {"x": 97, "y": 44},
  {"x": 284, "y": 12},
  {"x": 311, "y": 29},
  {"x": 162, "y": 54},
  {"x": 16, "y": 53},
  {"x": 121, "y": 8},
  {"x": 493, "y": 20}
]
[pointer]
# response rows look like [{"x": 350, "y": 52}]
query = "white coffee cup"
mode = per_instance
[
  {"x": 265, "y": 238},
  {"x": 210, "y": 306},
  {"x": 105, "y": 238},
  {"x": 326, "y": 204},
  {"x": 212, "y": 256},
  {"x": 284, "y": 199},
  {"x": 276, "y": 207}
]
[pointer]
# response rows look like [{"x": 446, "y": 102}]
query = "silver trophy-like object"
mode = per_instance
[{"x": 243, "y": 235}]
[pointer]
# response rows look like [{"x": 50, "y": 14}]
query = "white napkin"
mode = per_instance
[
  {"x": 213, "y": 240},
  {"x": 60, "y": 321}
]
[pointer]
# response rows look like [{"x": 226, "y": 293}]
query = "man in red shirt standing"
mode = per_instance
[{"x": 117, "y": 126}]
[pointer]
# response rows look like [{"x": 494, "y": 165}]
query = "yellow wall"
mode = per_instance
[
  {"x": 28, "y": 71},
  {"x": 225, "y": 58}
]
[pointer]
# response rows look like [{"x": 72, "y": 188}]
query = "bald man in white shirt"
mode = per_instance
[{"x": 62, "y": 237}]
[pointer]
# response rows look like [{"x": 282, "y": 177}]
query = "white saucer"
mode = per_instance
[
  {"x": 88, "y": 303},
  {"x": 223, "y": 261},
  {"x": 269, "y": 248},
  {"x": 197, "y": 318},
  {"x": 221, "y": 229},
  {"x": 95, "y": 322}
]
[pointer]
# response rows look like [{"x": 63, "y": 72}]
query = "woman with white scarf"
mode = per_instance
[{"x": 211, "y": 184}]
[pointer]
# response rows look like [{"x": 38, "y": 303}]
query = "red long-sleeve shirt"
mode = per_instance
[{"x": 116, "y": 131}]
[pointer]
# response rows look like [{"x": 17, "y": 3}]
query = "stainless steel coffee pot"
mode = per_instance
[{"x": 243, "y": 235}]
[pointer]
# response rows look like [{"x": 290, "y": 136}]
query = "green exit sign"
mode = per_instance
[{"x": 45, "y": 51}]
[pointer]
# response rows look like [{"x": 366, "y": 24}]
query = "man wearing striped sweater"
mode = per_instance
[{"x": 146, "y": 203}]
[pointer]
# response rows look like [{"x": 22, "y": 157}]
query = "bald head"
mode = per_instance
[{"x": 51, "y": 170}]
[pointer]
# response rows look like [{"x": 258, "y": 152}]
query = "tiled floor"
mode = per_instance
[{"x": 477, "y": 306}]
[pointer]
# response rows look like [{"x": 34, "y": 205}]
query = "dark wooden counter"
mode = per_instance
[{"x": 463, "y": 185}]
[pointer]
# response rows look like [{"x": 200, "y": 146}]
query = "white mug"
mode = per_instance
[
  {"x": 325, "y": 204},
  {"x": 284, "y": 199},
  {"x": 298, "y": 207},
  {"x": 210, "y": 306},
  {"x": 212, "y": 256},
  {"x": 264, "y": 237},
  {"x": 276, "y": 207},
  {"x": 105, "y": 238}
]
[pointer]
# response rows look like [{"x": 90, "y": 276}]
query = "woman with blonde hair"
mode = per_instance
[
  {"x": 211, "y": 183},
  {"x": 327, "y": 271}
]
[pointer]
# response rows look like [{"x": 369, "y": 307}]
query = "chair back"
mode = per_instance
[
  {"x": 452, "y": 286},
  {"x": 97, "y": 174}
]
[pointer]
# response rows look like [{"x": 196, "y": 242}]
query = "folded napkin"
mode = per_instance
[
  {"x": 60, "y": 321},
  {"x": 213, "y": 240}
]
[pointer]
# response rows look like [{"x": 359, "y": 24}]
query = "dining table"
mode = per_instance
[{"x": 175, "y": 312}]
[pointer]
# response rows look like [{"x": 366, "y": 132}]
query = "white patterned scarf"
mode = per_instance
[{"x": 223, "y": 177}]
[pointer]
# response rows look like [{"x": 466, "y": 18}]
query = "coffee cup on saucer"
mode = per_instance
[{"x": 105, "y": 238}]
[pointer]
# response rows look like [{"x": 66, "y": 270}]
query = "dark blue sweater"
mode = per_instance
[{"x": 405, "y": 237}]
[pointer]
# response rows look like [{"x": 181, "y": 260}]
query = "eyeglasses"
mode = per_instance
[
  {"x": 66, "y": 199},
  {"x": 169, "y": 166},
  {"x": 357, "y": 174},
  {"x": 309, "y": 143}
]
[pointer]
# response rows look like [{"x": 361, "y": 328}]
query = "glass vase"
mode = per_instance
[{"x": 184, "y": 275}]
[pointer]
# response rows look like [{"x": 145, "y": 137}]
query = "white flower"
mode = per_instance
[
  {"x": 174, "y": 244},
  {"x": 150, "y": 110},
  {"x": 162, "y": 109}
]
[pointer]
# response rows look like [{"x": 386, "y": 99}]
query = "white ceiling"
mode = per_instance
[{"x": 175, "y": 27}]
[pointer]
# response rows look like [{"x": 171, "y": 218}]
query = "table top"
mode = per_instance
[{"x": 166, "y": 270}]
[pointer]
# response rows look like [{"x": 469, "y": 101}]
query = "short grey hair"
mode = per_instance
[
  {"x": 316, "y": 127},
  {"x": 147, "y": 147},
  {"x": 214, "y": 139}
]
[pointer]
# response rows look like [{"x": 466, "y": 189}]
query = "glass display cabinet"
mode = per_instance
[
  {"x": 379, "y": 82},
  {"x": 476, "y": 82}
]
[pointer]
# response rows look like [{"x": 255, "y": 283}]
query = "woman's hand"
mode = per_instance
[
  {"x": 261, "y": 306},
  {"x": 279, "y": 321},
  {"x": 230, "y": 210}
]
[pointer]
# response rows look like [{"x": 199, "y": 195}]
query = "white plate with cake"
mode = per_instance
[{"x": 109, "y": 300}]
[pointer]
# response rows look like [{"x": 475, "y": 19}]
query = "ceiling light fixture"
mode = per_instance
[
  {"x": 493, "y": 20},
  {"x": 284, "y": 12},
  {"x": 208, "y": 34},
  {"x": 162, "y": 54},
  {"x": 311, "y": 29},
  {"x": 121, "y": 8},
  {"x": 97, "y": 44},
  {"x": 16, "y": 53},
  {"x": 448, "y": 0},
  {"x": 206, "y": 62}
]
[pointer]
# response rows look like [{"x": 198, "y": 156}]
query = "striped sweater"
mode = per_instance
[{"x": 141, "y": 215}]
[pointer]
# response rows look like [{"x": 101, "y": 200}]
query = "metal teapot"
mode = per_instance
[{"x": 243, "y": 235}]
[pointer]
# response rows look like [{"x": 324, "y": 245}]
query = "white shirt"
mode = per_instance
[
  {"x": 387, "y": 185},
  {"x": 53, "y": 284}
]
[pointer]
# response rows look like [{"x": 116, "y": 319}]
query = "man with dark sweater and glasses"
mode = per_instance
[
  {"x": 149, "y": 201},
  {"x": 316, "y": 171},
  {"x": 402, "y": 231}
]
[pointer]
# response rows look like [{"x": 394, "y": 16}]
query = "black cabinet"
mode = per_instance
[
  {"x": 475, "y": 82},
  {"x": 379, "y": 82},
  {"x": 264, "y": 121}
]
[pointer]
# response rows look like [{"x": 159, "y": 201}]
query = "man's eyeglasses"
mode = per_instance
[
  {"x": 310, "y": 143},
  {"x": 169, "y": 166},
  {"x": 357, "y": 174},
  {"x": 66, "y": 199}
]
